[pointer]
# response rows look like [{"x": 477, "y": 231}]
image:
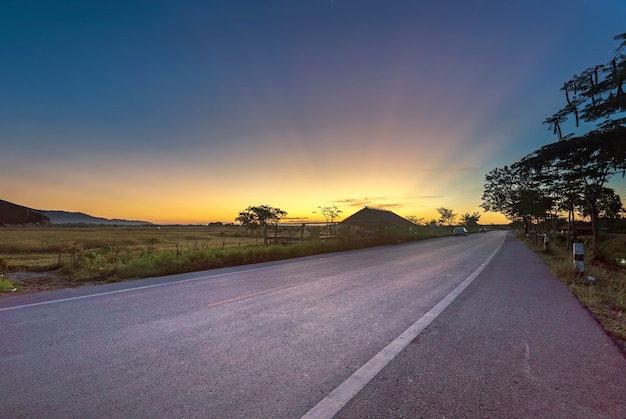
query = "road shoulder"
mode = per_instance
[{"x": 516, "y": 343}]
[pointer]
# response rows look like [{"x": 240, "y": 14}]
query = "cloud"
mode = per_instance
[{"x": 359, "y": 202}]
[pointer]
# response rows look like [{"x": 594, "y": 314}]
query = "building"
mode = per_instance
[{"x": 374, "y": 222}]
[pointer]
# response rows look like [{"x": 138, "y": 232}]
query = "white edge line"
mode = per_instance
[
  {"x": 340, "y": 396},
  {"x": 80, "y": 297}
]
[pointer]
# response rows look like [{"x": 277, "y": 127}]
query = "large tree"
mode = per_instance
[
  {"x": 609, "y": 206},
  {"x": 253, "y": 218},
  {"x": 509, "y": 191},
  {"x": 446, "y": 216},
  {"x": 585, "y": 163},
  {"x": 470, "y": 220},
  {"x": 594, "y": 97}
]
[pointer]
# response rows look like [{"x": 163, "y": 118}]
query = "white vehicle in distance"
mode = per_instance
[{"x": 459, "y": 231}]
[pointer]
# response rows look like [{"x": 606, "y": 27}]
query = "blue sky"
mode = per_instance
[{"x": 187, "y": 112}]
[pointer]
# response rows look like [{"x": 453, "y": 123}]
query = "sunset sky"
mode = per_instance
[{"x": 191, "y": 111}]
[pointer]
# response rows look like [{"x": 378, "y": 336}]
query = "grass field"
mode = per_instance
[
  {"x": 37, "y": 248},
  {"x": 39, "y": 258}
]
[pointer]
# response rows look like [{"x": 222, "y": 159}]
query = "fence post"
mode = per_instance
[
  {"x": 546, "y": 242},
  {"x": 579, "y": 257}
]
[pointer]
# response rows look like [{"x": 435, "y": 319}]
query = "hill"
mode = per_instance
[
  {"x": 64, "y": 217},
  {"x": 13, "y": 214}
]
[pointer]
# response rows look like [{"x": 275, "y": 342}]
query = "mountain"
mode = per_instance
[
  {"x": 13, "y": 214},
  {"x": 64, "y": 217}
]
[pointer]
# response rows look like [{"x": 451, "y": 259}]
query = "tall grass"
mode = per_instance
[
  {"x": 114, "y": 266},
  {"x": 114, "y": 254},
  {"x": 42, "y": 248}
]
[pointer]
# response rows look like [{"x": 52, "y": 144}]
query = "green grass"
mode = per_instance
[
  {"x": 6, "y": 285},
  {"x": 75, "y": 255}
]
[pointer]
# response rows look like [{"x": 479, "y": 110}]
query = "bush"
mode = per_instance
[{"x": 6, "y": 285}]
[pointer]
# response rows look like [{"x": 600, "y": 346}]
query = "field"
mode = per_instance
[
  {"x": 40, "y": 258},
  {"x": 37, "y": 248}
]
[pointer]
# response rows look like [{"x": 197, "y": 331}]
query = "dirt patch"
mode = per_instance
[{"x": 28, "y": 282}]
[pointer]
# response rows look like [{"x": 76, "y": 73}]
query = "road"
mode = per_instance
[{"x": 453, "y": 327}]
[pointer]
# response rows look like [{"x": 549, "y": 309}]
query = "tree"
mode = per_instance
[
  {"x": 595, "y": 95},
  {"x": 588, "y": 161},
  {"x": 470, "y": 221},
  {"x": 254, "y": 218},
  {"x": 417, "y": 221},
  {"x": 609, "y": 206},
  {"x": 446, "y": 216},
  {"x": 331, "y": 214},
  {"x": 511, "y": 192},
  {"x": 585, "y": 163}
]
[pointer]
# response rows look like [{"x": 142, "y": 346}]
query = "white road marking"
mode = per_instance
[
  {"x": 61, "y": 300},
  {"x": 526, "y": 366},
  {"x": 340, "y": 396}
]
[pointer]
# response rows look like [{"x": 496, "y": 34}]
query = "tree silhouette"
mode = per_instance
[
  {"x": 446, "y": 216},
  {"x": 574, "y": 168},
  {"x": 510, "y": 191},
  {"x": 331, "y": 214},
  {"x": 254, "y": 218},
  {"x": 585, "y": 163},
  {"x": 470, "y": 220},
  {"x": 595, "y": 95}
]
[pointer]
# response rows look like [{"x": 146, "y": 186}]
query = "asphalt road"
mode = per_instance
[{"x": 370, "y": 333}]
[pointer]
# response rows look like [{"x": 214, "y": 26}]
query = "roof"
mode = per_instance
[
  {"x": 377, "y": 216},
  {"x": 13, "y": 214}
]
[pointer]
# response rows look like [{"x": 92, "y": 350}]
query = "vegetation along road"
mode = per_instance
[{"x": 453, "y": 327}]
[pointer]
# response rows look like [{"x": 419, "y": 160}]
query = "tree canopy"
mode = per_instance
[
  {"x": 470, "y": 220},
  {"x": 253, "y": 218},
  {"x": 446, "y": 216},
  {"x": 574, "y": 170}
]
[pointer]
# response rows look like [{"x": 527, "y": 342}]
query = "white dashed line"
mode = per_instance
[{"x": 340, "y": 396}]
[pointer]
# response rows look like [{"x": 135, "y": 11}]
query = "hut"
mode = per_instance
[{"x": 375, "y": 222}]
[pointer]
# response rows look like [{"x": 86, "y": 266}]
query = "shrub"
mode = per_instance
[{"x": 6, "y": 285}]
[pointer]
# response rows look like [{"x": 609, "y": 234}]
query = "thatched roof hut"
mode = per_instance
[
  {"x": 13, "y": 214},
  {"x": 374, "y": 221}
]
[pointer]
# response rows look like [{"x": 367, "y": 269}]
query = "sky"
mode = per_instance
[{"x": 187, "y": 112}]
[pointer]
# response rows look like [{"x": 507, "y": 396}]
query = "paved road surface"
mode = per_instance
[
  {"x": 274, "y": 340},
  {"x": 515, "y": 344}
]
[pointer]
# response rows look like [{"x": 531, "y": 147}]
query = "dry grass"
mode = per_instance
[
  {"x": 39, "y": 248},
  {"x": 37, "y": 259}
]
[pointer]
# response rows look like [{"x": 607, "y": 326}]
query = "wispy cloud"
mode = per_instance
[{"x": 360, "y": 202}]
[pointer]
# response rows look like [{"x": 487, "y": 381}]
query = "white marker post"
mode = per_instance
[{"x": 579, "y": 257}]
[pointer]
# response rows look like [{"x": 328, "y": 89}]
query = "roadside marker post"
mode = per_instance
[
  {"x": 546, "y": 243},
  {"x": 579, "y": 257}
]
